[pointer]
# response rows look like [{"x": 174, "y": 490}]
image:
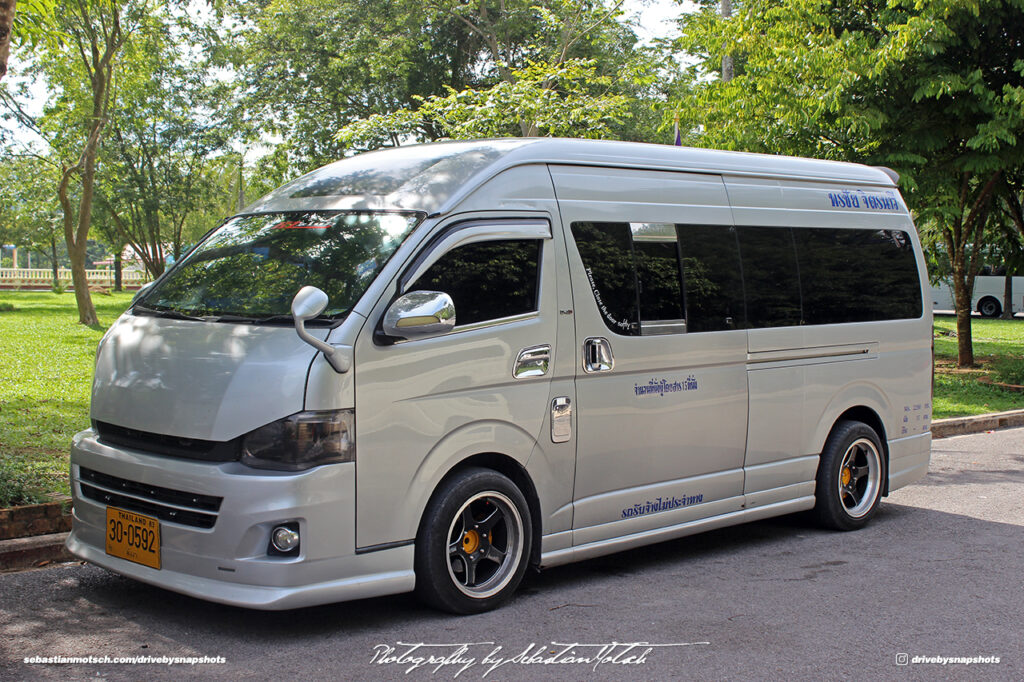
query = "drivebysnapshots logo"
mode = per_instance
[{"x": 907, "y": 659}]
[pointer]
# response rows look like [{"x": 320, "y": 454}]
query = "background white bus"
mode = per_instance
[{"x": 987, "y": 298}]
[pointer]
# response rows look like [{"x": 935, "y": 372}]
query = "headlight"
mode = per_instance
[{"x": 302, "y": 441}]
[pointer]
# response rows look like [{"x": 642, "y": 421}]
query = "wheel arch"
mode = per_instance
[
  {"x": 866, "y": 415},
  {"x": 515, "y": 472},
  {"x": 495, "y": 445}
]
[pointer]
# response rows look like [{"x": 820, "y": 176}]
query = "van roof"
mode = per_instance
[{"x": 434, "y": 177}]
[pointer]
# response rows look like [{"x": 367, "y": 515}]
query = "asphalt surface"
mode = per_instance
[{"x": 937, "y": 574}]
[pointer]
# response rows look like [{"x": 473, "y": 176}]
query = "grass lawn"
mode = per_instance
[
  {"x": 47, "y": 363},
  {"x": 45, "y": 377},
  {"x": 958, "y": 392}
]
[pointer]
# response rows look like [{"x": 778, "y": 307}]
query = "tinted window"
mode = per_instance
[
  {"x": 711, "y": 273},
  {"x": 487, "y": 280},
  {"x": 607, "y": 253},
  {"x": 770, "y": 276},
  {"x": 857, "y": 275},
  {"x": 660, "y": 287}
]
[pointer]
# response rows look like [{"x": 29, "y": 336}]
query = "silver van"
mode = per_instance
[{"x": 432, "y": 367}]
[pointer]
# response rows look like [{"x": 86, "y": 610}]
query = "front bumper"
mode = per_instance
[{"x": 228, "y": 563}]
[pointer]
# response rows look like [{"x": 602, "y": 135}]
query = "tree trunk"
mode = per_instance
[
  {"x": 962, "y": 296},
  {"x": 77, "y": 243},
  {"x": 7, "y": 8},
  {"x": 727, "y": 67},
  {"x": 1007, "y": 295},
  {"x": 117, "y": 270},
  {"x": 53, "y": 263}
]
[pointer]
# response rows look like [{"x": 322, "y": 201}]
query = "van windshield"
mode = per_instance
[{"x": 250, "y": 268}]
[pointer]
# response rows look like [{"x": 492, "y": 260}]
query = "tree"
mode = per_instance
[
  {"x": 162, "y": 137},
  {"x": 80, "y": 66},
  {"x": 931, "y": 89},
  {"x": 29, "y": 214},
  {"x": 7, "y": 8},
  {"x": 29, "y": 26},
  {"x": 312, "y": 67},
  {"x": 568, "y": 100}
]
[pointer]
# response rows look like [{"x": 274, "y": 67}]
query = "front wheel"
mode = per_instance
[
  {"x": 474, "y": 543},
  {"x": 850, "y": 475}
]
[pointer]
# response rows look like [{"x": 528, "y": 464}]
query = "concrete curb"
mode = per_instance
[
  {"x": 23, "y": 553},
  {"x": 958, "y": 426},
  {"x": 40, "y": 550}
]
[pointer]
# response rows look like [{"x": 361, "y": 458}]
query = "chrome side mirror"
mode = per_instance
[
  {"x": 419, "y": 314},
  {"x": 308, "y": 304}
]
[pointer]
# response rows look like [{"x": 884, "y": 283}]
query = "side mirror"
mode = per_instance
[
  {"x": 307, "y": 304},
  {"x": 419, "y": 314}
]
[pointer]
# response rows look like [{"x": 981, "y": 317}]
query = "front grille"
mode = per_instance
[
  {"x": 177, "y": 506},
  {"x": 170, "y": 446}
]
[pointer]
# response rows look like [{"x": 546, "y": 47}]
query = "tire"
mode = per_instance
[
  {"x": 990, "y": 307},
  {"x": 850, "y": 477},
  {"x": 473, "y": 544}
]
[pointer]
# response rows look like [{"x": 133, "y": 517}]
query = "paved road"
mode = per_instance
[{"x": 939, "y": 573}]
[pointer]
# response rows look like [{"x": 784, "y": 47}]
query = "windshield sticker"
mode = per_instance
[
  {"x": 869, "y": 201},
  {"x": 298, "y": 225},
  {"x": 660, "y": 387},
  {"x": 661, "y": 504}
]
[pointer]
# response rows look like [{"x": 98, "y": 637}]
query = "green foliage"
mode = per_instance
[
  {"x": 961, "y": 395},
  {"x": 1009, "y": 370},
  {"x": 566, "y": 100},
  {"x": 33, "y": 22},
  {"x": 958, "y": 392},
  {"x": 45, "y": 379},
  {"x": 18, "y": 486},
  {"x": 165, "y": 137},
  {"x": 387, "y": 72}
]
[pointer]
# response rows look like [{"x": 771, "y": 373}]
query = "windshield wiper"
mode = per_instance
[
  {"x": 169, "y": 314},
  {"x": 273, "y": 319}
]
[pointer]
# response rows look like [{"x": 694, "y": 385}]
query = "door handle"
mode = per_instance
[
  {"x": 532, "y": 362},
  {"x": 597, "y": 355}
]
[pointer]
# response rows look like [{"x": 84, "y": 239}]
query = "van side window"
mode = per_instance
[
  {"x": 487, "y": 280},
  {"x": 637, "y": 273},
  {"x": 607, "y": 253},
  {"x": 857, "y": 275},
  {"x": 656, "y": 253},
  {"x": 712, "y": 278},
  {"x": 771, "y": 276}
]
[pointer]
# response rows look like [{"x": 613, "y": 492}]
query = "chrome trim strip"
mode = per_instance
[{"x": 793, "y": 354}]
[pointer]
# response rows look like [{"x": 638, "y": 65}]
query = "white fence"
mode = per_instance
[{"x": 42, "y": 278}]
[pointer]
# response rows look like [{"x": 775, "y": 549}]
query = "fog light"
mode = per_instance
[{"x": 284, "y": 539}]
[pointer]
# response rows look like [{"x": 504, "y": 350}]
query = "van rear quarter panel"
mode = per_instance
[{"x": 893, "y": 378}]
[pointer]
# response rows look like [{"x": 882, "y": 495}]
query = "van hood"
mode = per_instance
[{"x": 204, "y": 380}]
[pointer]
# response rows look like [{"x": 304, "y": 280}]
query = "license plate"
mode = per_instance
[{"x": 133, "y": 537}]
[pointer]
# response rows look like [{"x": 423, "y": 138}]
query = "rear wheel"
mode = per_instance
[
  {"x": 850, "y": 475},
  {"x": 474, "y": 543},
  {"x": 989, "y": 307}
]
